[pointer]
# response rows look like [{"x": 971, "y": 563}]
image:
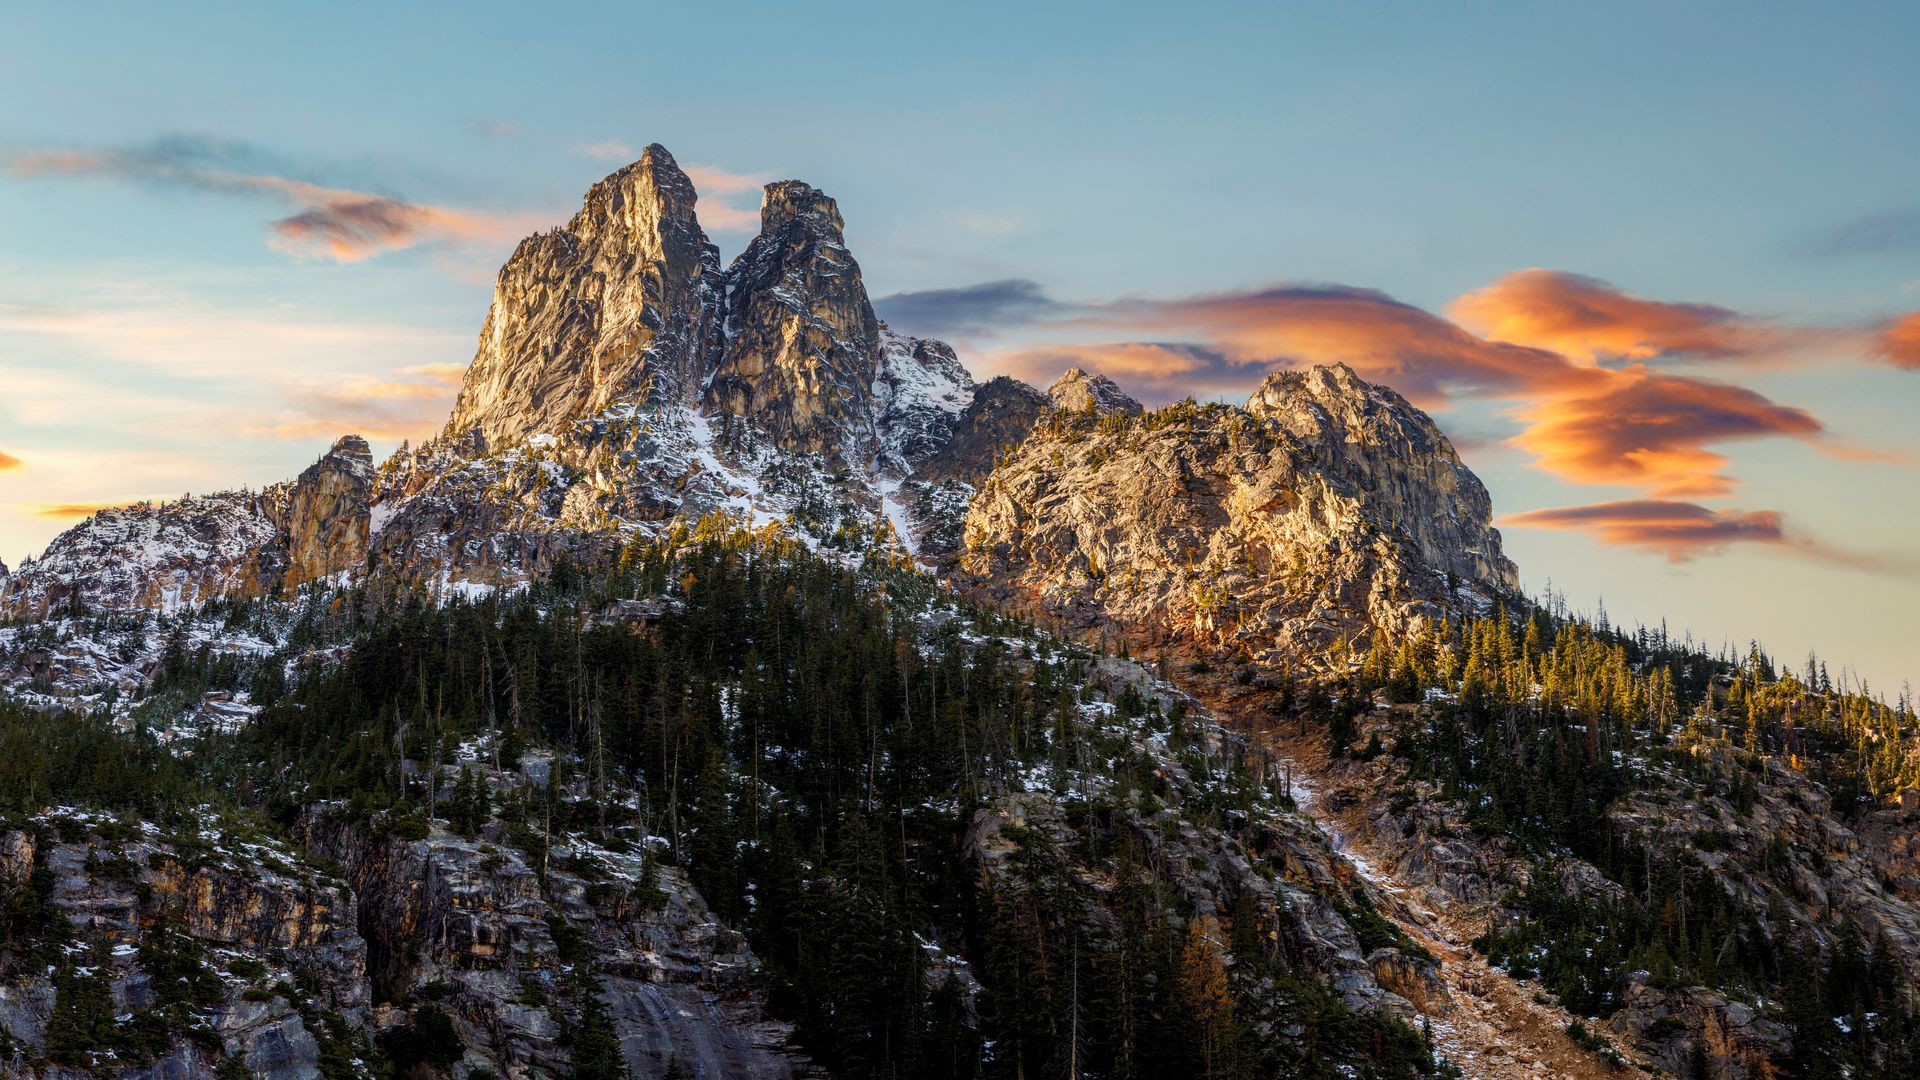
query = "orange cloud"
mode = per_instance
[
  {"x": 337, "y": 223},
  {"x": 1651, "y": 430},
  {"x": 712, "y": 184},
  {"x": 1136, "y": 360},
  {"x": 1899, "y": 343},
  {"x": 1588, "y": 320},
  {"x": 350, "y": 226},
  {"x": 1420, "y": 354},
  {"x": 8, "y": 461},
  {"x": 71, "y": 511},
  {"x": 1583, "y": 421},
  {"x": 1682, "y": 530}
]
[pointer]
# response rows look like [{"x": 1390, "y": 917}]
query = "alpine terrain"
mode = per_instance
[{"x": 735, "y": 687}]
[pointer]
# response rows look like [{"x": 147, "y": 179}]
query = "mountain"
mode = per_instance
[
  {"x": 1290, "y": 528},
  {"x": 735, "y": 685},
  {"x": 623, "y": 380}
]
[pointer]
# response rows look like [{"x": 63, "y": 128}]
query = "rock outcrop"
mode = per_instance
[
  {"x": 490, "y": 933},
  {"x": 196, "y": 940},
  {"x": 153, "y": 555},
  {"x": 1296, "y": 525},
  {"x": 997, "y": 420},
  {"x": 1077, "y": 391},
  {"x": 202, "y": 547},
  {"x": 324, "y": 519}
]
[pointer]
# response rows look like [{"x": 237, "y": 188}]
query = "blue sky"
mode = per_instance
[{"x": 158, "y": 333}]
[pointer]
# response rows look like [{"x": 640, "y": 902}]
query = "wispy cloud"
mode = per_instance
[
  {"x": 719, "y": 206},
  {"x": 68, "y": 511},
  {"x": 1175, "y": 369},
  {"x": 338, "y": 223},
  {"x": 610, "y": 150},
  {"x": 412, "y": 403},
  {"x": 9, "y": 462},
  {"x": 1680, "y": 530},
  {"x": 1589, "y": 320},
  {"x": 1899, "y": 343},
  {"x": 1651, "y": 430},
  {"x": 1889, "y": 232},
  {"x": 970, "y": 311},
  {"x": 181, "y": 336},
  {"x": 1684, "y": 531}
]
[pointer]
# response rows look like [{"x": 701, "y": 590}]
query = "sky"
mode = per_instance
[{"x": 1654, "y": 267}]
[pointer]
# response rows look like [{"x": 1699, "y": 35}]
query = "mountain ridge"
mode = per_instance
[{"x": 622, "y": 379}]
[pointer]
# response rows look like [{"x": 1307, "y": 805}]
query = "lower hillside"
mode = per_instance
[
  {"x": 1706, "y": 858},
  {"x": 715, "y": 808}
]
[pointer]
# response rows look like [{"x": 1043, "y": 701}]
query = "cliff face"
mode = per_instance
[
  {"x": 172, "y": 952},
  {"x": 490, "y": 933},
  {"x": 615, "y": 307},
  {"x": 1324, "y": 508},
  {"x": 802, "y": 342},
  {"x": 324, "y": 515},
  {"x": 1397, "y": 460}
]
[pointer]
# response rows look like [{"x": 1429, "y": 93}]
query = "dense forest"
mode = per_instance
[
  {"x": 1542, "y": 725},
  {"x": 812, "y": 744}
]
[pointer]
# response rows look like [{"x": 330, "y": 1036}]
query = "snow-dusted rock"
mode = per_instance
[{"x": 1325, "y": 508}]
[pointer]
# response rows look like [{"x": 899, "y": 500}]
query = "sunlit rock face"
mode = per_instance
[
  {"x": 623, "y": 381},
  {"x": 1077, "y": 391},
  {"x": 325, "y": 514},
  {"x": 617, "y": 306},
  {"x": 1324, "y": 508}
]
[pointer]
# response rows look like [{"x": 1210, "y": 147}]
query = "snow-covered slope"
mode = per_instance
[{"x": 152, "y": 555}]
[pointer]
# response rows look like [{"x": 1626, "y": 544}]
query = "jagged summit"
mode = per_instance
[
  {"x": 1079, "y": 391},
  {"x": 650, "y": 196},
  {"x": 624, "y": 379},
  {"x": 617, "y": 306},
  {"x": 802, "y": 344},
  {"x": 785, "y": 202}
]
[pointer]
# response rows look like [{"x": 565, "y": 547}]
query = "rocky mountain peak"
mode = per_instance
[
  {"x": 801, "y": 342},
  {"x": 617, "y": 306},
  {"x": 1325, "y": 508},
  {"x": 650, "y": 202},
  {"x": 785, "y": 203},
  {"x": 1398, "y": 456},
  {"x": 1079, "y": 391}
]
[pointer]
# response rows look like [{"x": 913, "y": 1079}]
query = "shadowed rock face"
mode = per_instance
[
  {"x": 479, "y": 923},
  {"x": 155, "y": 890},
  {"x": 998, "y": 419},
  {"x": 802, "y": 342},
  {"x": 1326, "y": 507},
  {"x": 615, "y": 307}
]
